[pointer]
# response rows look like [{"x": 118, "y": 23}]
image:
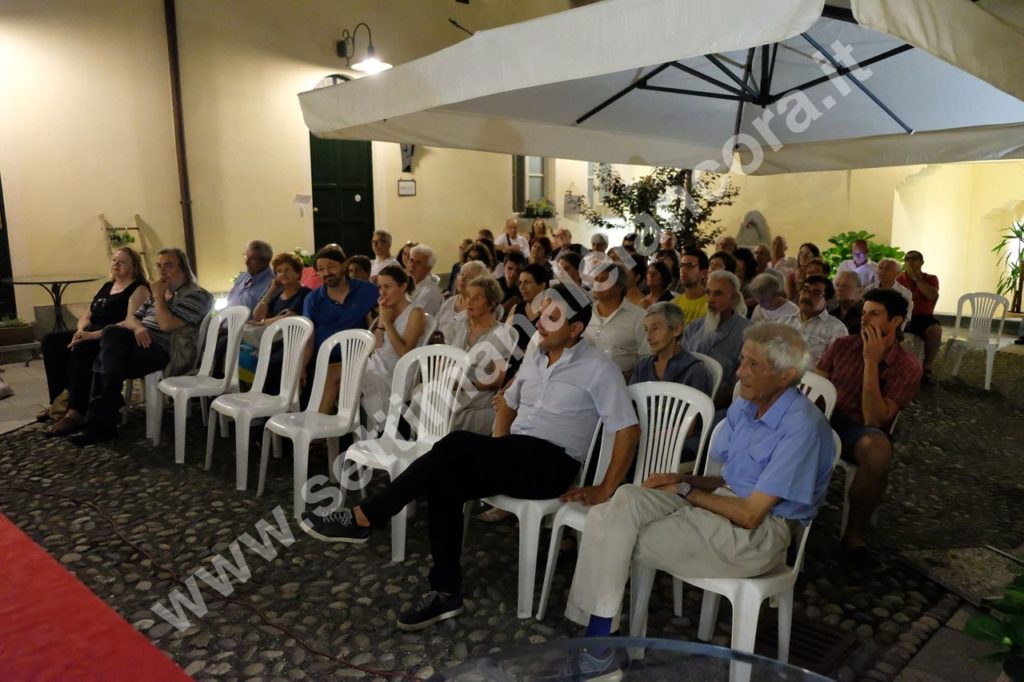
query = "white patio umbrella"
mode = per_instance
[{"x": 686, "y": 82}]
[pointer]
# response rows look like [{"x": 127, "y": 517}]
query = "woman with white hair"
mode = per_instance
[
  {"x": 454, "y": 308},
  {"x": 772, "y": 304},
  {"x": 669, "y": 361}
]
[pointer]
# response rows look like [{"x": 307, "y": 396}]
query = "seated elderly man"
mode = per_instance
[
  {"x": 772, "y": 304},
  {"x": 875, "y": 378},
  {"x": 161, "y": 335},
  {"x": 249, "y": 287},
  {"x": 861, "y": 264},
  {"x": 777, "y": 451},
  {"x": 848, "y": 305},
  {"x": 819, "y": 329},
  {"x": 598, "y": 254},
  {"x": 888, "y": 274},
  {"x": 380, "y": 242},
  {"x": 720, "y": 332},
  {"x": 616, "y": 327},
  {"x": 543, "y": 428},
  {"x": 924, "y": 290},
  {"x": 669, "y": 361},
  {"x": 427, "y": 294}
]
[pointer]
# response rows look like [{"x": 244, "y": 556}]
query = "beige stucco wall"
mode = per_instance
[{"x": 85, "y": 128}]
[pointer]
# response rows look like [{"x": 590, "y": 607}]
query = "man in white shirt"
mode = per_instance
[
  {"x": 427, "y": 294},
  {"x": 381, "y": 243},
  {"x": 617, "y": 326},
  {"x": 888, "y": 271},
  {"x": 543, "y": 427},
  {"x": 779, "y": 262},
  {"x": 865, "y": 268},
  {"x": 512, "y": 240},
  {"x": 597, "y": 255},
  {"x": 818, "y": 328}
]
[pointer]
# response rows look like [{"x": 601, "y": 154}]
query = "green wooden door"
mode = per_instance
[{"x": 342, "y": 173}]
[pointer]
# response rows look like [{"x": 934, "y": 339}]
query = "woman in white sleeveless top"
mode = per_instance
[
  {"x": 454, "y": 308},
  {"x": 399, "y": 329},
  {"x": 489, "y": 344}
]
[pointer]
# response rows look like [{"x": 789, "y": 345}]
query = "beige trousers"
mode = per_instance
[{"x": 666, "y": 532}]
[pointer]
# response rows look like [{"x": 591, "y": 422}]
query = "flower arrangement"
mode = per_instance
[
  {"x": 541, "y": 208},
  {"x": 305, "y": 256}
]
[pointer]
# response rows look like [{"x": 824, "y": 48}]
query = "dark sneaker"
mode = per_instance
[
  {"x": 339, "y": 526},
  {"x": 599, "y": 665},
  {"x": 432, "y": 608},
  {"x": 92, "y": 437}
]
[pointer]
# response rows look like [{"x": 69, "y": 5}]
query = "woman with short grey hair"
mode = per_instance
[
  {"x": 772, "y": 304},
  {"x": 669, "y": 361}
]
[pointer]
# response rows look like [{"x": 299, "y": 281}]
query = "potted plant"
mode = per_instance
[
  {"x": 1010, "y": 249},
  {"x": 14, "y": 332},
  {"x": 541, "y": 208},
  {"x": 675, "y": 199},
  {"x": 842, "y": 248},
  {"x": 120, "y": 237},
  {"x": 1004, "y": 627}
]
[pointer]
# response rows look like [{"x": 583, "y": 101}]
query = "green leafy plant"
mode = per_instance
[
  {"x": 1005, "y": 629},
  {"x": 1010, "y": 249},
  {"x": 120, "y": 237},
  {"x": 842, "y": 248},
  {"x": 663, "y": 195},
  {"x": 541, "y": 208}
]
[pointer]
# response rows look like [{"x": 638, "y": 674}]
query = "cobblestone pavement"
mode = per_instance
[{"x": 956, "y": 482}]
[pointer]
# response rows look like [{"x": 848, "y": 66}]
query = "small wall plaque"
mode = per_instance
[{"x": 406, "y": 188}]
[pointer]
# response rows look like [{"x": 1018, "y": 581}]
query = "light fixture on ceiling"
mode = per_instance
[{"x": 347, "y": 49}]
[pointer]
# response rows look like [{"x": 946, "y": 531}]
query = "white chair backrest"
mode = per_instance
[
  {"x": 983, "y": 309},
  {"x": 234, "y": 317},
  {"x": 428, "y": 330},
  {"x": 714, "y": 368},
  {"x": 604, "y": 457},
  {"x": 816, "y": 387},
  {"x": 437, "y": 372},
  {"x": 295, "y": 332},
  {"x": 667, "y": 413},
  {"x": 356, "y": 346}
]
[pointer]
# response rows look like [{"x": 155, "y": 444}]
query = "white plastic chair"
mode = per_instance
[
  {"x": 817, "y": 387},
  {"x": 203, "y": 384},
  {"x": 303, "y": 427},
  {"x": 745, "y": 594},
  {"x": 253, "y": 404},
  {"x": 428, "y": 330},
  {"x": 151, "y": 395},
  {"x": 667, "y": 413},
  {"x": 979, "y": 334},
  {"x": 440, "y": 370},
  {"x": 714, "y": 368}
]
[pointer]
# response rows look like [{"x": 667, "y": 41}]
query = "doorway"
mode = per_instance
[
  {"x": 342, "y": 174},
  {"x": 8, "y": 307}
]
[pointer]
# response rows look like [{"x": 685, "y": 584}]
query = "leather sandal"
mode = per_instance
[{"x": 65, "y": 427}]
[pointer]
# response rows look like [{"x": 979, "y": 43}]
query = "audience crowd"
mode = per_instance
[{"x": 556, "y": 332}]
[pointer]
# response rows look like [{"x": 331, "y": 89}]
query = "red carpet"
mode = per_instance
[{"x": 53, "y": 628}]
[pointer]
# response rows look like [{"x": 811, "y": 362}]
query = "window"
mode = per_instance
[{"x": 527, "y": 180}]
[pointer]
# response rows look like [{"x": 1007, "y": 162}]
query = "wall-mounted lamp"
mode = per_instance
[{"x": 347, "y": 49}]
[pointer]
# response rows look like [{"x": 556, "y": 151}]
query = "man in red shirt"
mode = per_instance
[
  {"x": 925, "y": 290},
  {"x": 875, "y": 378}
]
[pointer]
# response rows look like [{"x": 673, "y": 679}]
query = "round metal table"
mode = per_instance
[{"x": 54, "y": 285}]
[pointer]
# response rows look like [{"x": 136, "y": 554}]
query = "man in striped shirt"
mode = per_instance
[
  {"x": 161, "y": 334},
  {"x": 875, "y": 378}
]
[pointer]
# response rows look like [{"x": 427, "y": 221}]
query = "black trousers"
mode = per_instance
[
  {"x": 466, "y": 466},
  {"x": 119, "y": 358},
  {"x": 69, "y": 368}
]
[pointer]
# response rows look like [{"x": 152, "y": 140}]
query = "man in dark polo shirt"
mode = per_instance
[
  {"x": 875, "y": 378},
  {"x": 924, "y": 289}
]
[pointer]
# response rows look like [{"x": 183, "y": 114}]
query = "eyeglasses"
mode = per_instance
[{"x": 816, "y": 293}]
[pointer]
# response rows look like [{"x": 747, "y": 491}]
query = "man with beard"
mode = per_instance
[
  {"x": 720, "y": 332},
  {"x": 693, "y": 268},
  {"x": 818, "y": 328},
  {"x": 875, "y": 378}
]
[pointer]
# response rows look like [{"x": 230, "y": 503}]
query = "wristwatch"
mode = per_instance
[{"x": 683, "y": 489}]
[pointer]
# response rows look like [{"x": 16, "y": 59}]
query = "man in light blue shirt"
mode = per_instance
[
  {"x": 778, "y": 452},
  {"x": 250, "y": 285},
  {"x": 543, "y": 427}
]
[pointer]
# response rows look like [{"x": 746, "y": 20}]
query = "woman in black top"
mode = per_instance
[{"x": 68, "y": 355}]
